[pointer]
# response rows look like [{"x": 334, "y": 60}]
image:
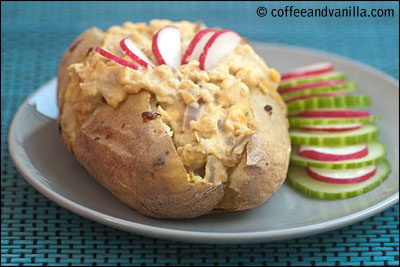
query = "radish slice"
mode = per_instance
[
  {"x": 311, "y": 85},
  {"x": 298, "y": 178},
  {"x": 166, "y": 46},
  {"x": 333, "y": 153},
  {"x": 334, "y": 113},
  {"x": 376, "y": 153},
  {"x": 220, "y": 45},
  {"x": 135, "y": 53},
  {"x": 342, "y": 176},
  {"x": 288, "y": 100},
  {"x": 197, "y": 44},
  {"x": 309, "y": 70},
  {"x": 116, "y": 59},
  {"x": 333, "y": 128}
]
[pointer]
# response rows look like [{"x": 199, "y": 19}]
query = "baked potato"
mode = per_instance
[{"x": 173, "y": 142}]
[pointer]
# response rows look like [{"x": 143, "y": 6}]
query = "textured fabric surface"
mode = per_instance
[{"x": 36, "y": 231}]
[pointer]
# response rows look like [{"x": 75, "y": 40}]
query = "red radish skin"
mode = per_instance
[
  {"x": 305, "y": 86},
  {"x": 334, "y": 113},
  {"x": 288, "y": 100},
  {"x": 315, "y": 128},
  {"x": 171, "y": 55},
  {"x": 331, "y": 180},
  {"x": 155, "y": 50},
  {"x": 116, "y": 59},
  {"x": 309, "y": 70},
  {"x": 316, "y": 155},
  {"x": 142, "y": 60},
  {"x": 213, "y": 51},
  {"x": 198, "y": 42}
]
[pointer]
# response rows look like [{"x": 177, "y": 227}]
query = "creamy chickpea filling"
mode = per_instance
[{"x": 207, "y": 111}]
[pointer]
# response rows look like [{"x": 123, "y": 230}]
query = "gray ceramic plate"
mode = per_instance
[{"x": 40, "y": 156}]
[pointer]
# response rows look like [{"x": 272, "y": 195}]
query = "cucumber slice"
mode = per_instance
[
  {"x": 348, "y": 101},
  {"x": 376, "y": 153},
  {"x": 333, "y": 128},
  {"x": 297, "y": 121},
  {"x": 362, "y": 135},
  {"x": 347, "y": 87},
  {"x": 317, "y": 78},
  {"x": 299, "y": 179},
  {"x": 313, "y": 69}
]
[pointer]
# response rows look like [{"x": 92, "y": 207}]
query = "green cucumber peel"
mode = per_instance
[
  {"x": 365, "y": 134},
  {"x": 376, "y": 153},
  {"x": 338, "y": 102},
  {"x": 308, "y": 186},
  {"x": 299, "y": 121},
  {"x": 347, "y": 87},
  {"x": 337, "y": 75}
]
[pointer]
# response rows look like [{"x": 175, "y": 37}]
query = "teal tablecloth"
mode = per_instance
[{"x": 35, "y": 231}]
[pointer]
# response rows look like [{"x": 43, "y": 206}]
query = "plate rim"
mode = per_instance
[
  {"x": 343, "y": 58},
  {"x": 195, "y": 236}
]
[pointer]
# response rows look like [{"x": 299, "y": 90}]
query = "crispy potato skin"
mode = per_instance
[
  {"x": 137, "y": 162},
  {"x": 75, "y": 53},
  {"x": 262, "y": 168}
]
